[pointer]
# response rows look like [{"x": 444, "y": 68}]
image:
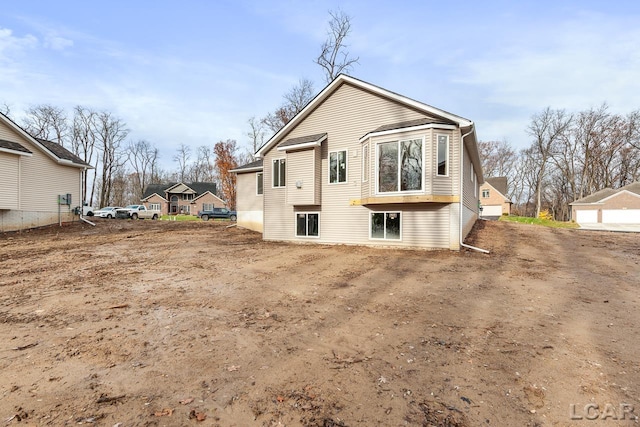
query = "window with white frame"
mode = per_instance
[
  {"x": 365, "y": 163},
  {"x": 337, "y": 167},
  {"x": 154, "y": 206},
  {"x": 485, "y": 194},
  {"x": 400, "y": 166},
  {"x": 188, "y": 196},
  {"x": 279, "y": 169},
  {"x": 386, "y": 225},
  {"x": 259, "y": 183},
  {"x": 443, "y": 155},
  {"x": 207, "y": 206},
  {"x": 307, "y": 224}
]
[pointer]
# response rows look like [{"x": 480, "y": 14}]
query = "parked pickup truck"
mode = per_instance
[
  {"x": 137, "y": 211},
  {"x": 218, "y": 213}
]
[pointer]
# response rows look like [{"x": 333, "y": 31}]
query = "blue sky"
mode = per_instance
[{"x": 193, "y": 72}]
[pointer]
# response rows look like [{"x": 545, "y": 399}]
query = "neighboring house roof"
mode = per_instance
[
  {"x": 254, "y": 166},
  {"x": 55, "y": 151},
  {"x": 596, "y": 197},
  {"x": 464, "y": 124},
  {"x": 198, "y": 188},
  {"x": 208, "y": 192},
  {"x": 633, "y": 187},
  {"x": 605, "y": 193},
  {"x": 14, "y": 148},
  {"x": 499, "y": 183}
]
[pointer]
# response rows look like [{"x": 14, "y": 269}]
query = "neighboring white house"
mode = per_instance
[
  {"x": 363, "y": 165},
  {"x": 40, "y": 181}
]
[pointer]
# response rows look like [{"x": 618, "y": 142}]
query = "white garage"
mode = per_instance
[
  {"x": 620, "y": 216},
  {"x": 587, "y": 216},
  {"x": 492, "y": 210}
]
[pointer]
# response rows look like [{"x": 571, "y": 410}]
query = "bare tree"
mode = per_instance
[
  {"x": 255, "y": 134},
  {"x": 143, "y": 158},
  {"x": 83, "y": 141},
  {"x": 295, "y": 100},
  {"x": 110, "y": 132},
  {"x": 182, "y": 157},
  {"x": 47, "y": 122},
  {"x": 203, "y": 169},
  {"x": 5, "y": 109},
  {"x": 333, "y": 58},
  {"x": 546, "y": 128}
]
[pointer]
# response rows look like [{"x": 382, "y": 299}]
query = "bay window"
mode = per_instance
[{"x": 400, "y": 166}]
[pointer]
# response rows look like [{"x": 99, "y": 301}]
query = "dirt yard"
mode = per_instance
[{"x": 171, "y": 324}]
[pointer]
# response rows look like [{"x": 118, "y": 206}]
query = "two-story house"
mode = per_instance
[
  {"x": 363, "y": 165},
  {"x": 182, "y": 198}
]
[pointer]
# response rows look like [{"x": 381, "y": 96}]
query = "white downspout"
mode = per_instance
[{"x": 462, "y": 191}]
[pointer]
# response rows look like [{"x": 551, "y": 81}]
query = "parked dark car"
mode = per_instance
[{"x": 218, "y": 213}]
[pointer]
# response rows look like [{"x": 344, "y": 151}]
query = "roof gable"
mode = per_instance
[
  {"x": 344, "y": 79},
  {"x": 53, "y": 150},
  {"x": 499, "y": 183},
  {"x": 196, "y": 188}
]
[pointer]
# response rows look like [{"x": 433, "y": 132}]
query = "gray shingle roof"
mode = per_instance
[
  {"x": 198, "y": 187},
  {"x": 302, "y": 140},
  {"x": 10, "y": 145},
  {"x": 633, "y": 187},
  {"x": 499, "y": 183},
  {"x": 597, "y": 196},
  {"x": 252, "y": 165},
  {"x": 61, "y": 152},
  {"x": 412, "y": 123}
]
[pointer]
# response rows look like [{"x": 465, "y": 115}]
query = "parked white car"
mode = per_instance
[{"x": 106, "y": 212}]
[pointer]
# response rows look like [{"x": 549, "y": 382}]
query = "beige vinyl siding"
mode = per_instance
[
  {"x": 347, "y": 115},
  {"x": 249, "y": 203},
  {"x": 470, "y": 198},
  {"x": 247, "y": 197},
  {"x": 10, "y": 167},
  {"x": 42, "y": 178},
  {"x": 424, "y": 224},
  {"x": 301, "y": 170},
  {"x": 446, "y": 185}
]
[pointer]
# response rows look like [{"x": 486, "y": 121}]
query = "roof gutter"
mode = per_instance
[{"x": 462, "y": 244}]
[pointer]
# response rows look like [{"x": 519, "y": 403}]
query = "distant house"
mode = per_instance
[
  {"x": 249, "y": 195},
  {"x": 609, "y": 206},
  {"x": 493, "y": 197},
  {"x": 40, "y": 181},
  {"x": 363, "y": 165},
  {"x": 182, "y": 198}
]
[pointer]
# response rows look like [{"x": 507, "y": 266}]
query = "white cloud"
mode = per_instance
[
  {"x": 57, "y": 42},
  {"x": 10, "y": 43}
]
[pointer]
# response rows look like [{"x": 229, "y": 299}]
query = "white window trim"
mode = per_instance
[
  {"x": 295, "y": 225},
  {"x": 273, "y": 171},
  {"x": 488, "y": 193},
  {"x": 377, "y": 177},
  {"x": 346, "y": 165},
  {"x": 261, "y": 173},
  {"x": 448, "y": 164},
  {"x": 475, "y": 185},
  {"x": 384, "y": 239},
  {"x": 365, "y": 158},
  {"x": 151, "y": 205}
]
